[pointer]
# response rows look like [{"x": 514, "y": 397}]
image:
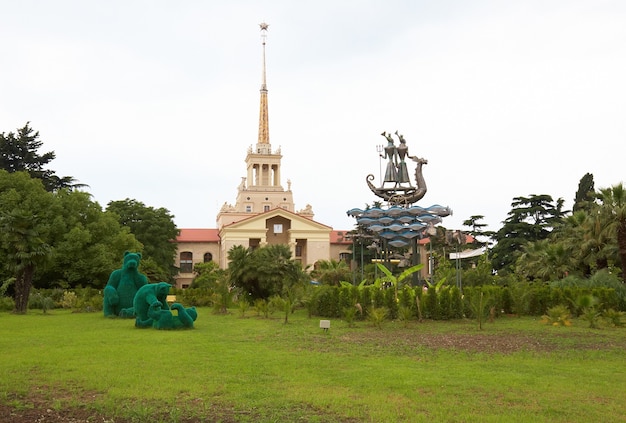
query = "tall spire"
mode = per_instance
[{"x": 264, "y": 129}]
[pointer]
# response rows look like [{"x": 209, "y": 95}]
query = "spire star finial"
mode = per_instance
[{"x": 264, "y": 26}]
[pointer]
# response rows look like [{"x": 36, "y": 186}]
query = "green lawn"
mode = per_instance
[{"x": 260, "y": 370}]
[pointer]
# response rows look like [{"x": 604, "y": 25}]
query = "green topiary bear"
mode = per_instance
[
  {"x": 152, "y": 296},
  {"x": 165, "y": 319},
  {"x": 122, "y": 286}
]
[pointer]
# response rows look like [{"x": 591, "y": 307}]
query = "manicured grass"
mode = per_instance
[{"x": 260, "y": 370}]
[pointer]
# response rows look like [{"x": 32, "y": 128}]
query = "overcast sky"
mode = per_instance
[{"x": 158, "y": 101}]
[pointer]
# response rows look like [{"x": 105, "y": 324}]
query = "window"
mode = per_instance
[
  {"x": 266, "y": 208},
  {"x": 208, "y": 257},
  {"x": 248, "y": 209},
  {"x": 186, "y": 262}
]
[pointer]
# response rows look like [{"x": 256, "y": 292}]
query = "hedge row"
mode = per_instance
[{"x": 450, "y": 303}]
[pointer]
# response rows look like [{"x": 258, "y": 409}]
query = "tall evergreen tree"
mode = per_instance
[
  {"x": 586, "y": 193},
  {"x": 477, "y": 229},
  {"x": 19, "y": 152},
  {"x": 530, "y": 219}
]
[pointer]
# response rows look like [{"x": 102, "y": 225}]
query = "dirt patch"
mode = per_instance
[{"x": 36, "y": 407}]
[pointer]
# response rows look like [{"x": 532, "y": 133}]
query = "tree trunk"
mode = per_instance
[
  {"x": 23, "y": 283},
  {"x": 621, "y": 244}
]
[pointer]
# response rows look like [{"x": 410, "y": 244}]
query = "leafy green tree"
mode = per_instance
[
  {"x": 19, "y": 152},
  {"x": 154, "y": 228},
  {"x": 265, "y": 271},
  {"x": 24, "y": 229},
  {"x": 208, "y": 275},
  {"x": 586, "y": 193},
  {"x": 88, "y": 243},
  {"x": 612, "y": 208},
  {"x": 530, "y": 219}
]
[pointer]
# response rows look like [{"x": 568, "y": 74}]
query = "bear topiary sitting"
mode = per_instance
[
  {"x": 151, "y": 296},
  {"x": 165, "y": 319},
  {"x": 122, "y": 286}
]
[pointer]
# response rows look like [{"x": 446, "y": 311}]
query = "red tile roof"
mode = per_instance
[
  {"x": 198, "y": 235},
  {"x": 339, "y": 237}
]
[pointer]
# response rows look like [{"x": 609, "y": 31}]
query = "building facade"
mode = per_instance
[{"x": 263, "y": 214}]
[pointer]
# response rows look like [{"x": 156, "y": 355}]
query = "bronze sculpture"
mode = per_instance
[{"x": 397, "y": 172}]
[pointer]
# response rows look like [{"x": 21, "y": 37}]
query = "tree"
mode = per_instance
[
  {"x": 88, "y": 243},
  {"x": 530, "y": 219},
  {"x": 24, "y": 217},
  {"x": 265, "y": 271},
  {"x": 331, "y": 272},
  {"x": 586, "y": 193},
  {"x": 18, "y": 152},
  {"x": 154, "y": 228},
  {"x": 545, "y": 260},
  {"x": 477, "y": 230},
  {"x": 208, "y": 275},
  {"x": 613, "y": 210}
]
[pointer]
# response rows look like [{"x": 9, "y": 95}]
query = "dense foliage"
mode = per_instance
[
  {"x": 265, "y": 271},
  {"x": 155, "y": 229}
]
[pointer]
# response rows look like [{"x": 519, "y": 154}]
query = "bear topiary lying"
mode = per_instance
[{"x": 165, "y": 319}]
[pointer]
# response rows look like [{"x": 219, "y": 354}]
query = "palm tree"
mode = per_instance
[
  {"x": 545, "y": 260},
  {"x": 613, "y": 209},
  {"x": 332, "y": 272},
  {"x": 25, "y": 249}
]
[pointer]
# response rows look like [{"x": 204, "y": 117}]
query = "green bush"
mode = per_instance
[
  {"x": 391, "y": 304},
  {"x": 457, "y": 310},
  {"x": 430, "y": 303},
  {"x": 7, "y": 303},
  {"x": 558, "y": 315},
  {"x": 445, "y": 303}
]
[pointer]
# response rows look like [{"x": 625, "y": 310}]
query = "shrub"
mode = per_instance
[
  {"x": 391, "y": 303},
  {"x": 456, "y": 303},
  {"x": 69, "y": 300},
  {"x": 558, "y": 315},
  {"x": 445, "y": 303},
  {"x": 244, "y": 306},
  {"x": 41, "y": 301},
  {"x": 7, "y": 303},
  {"x": 405, "y": 314},
  {"x": 377, "y": 316},
  {"x": 430, "y": 304},
  {"x": 614, "y": 318},
  {"x": 349, "y": 315}
]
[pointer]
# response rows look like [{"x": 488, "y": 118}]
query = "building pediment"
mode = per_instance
[{"x": 258, "y": 222}]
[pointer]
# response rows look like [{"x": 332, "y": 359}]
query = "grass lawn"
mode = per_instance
[{"x": 64, "y": 366}]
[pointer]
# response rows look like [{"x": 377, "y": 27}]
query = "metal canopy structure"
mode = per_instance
[{"x": 399, "y": 223}]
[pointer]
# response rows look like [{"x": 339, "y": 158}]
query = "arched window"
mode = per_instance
[
  {"x": 208, "y": 257},
  {"x": 186, "y": 262}
]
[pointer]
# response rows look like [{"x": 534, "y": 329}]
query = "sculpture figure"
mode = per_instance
[
  {"x": 403, "y": 152},
  {"x": 165, "y": 319},
  {"x": 391, "y": 173},
  {"x": 122, "y": 286},
  {"x": 151, "y": 296},
  {"x": 403, "y": 195}
]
